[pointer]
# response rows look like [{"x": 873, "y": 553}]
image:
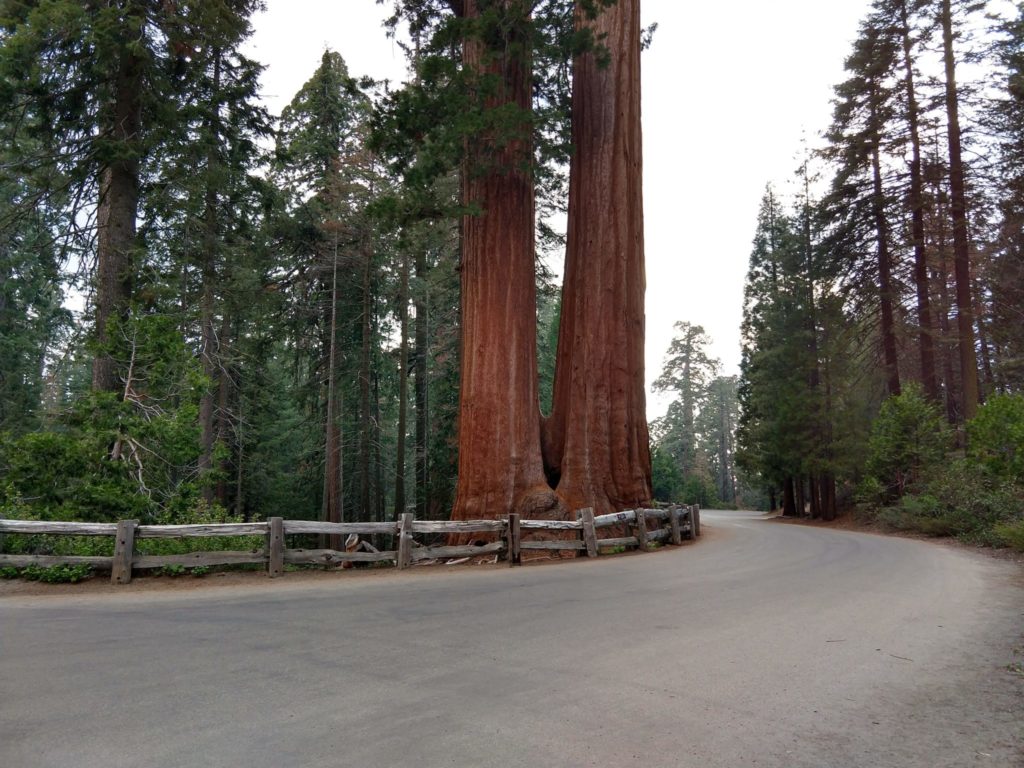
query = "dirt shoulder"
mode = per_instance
[{"x": 850, "y": 521}]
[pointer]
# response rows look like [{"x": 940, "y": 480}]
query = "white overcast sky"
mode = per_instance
[{"x": 729, "y": 89}]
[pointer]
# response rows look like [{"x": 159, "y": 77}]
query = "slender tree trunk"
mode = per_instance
[
  {"x": 828, "y": 498},
  {"x": 812, "y": 496},
  {"x": 239, "y": 501},
  {"x": 958, "y": 213},
  {"x": 403, "y": 384},
  {"x": 929, "y": 378},
  {"x": 983, "y": 345},
  {"x": 886, "y": 292},
  {"x": 788, "y": 498},
  {"x": 116, "y": 218},
  {"x": 365, "y": 416},
  {"x": 379, "y": 499},
  {"x": 953, "y": 398},
  {"x": 420, "y": 392},
  {"x": 210, "y": 245},
  {"x": 596, "y": 440},
  {"x": 951, "y": 388},
  {"x": 224, "y": 387},
  {"x": 500, "y": 466},
  {"x": 801, "y": 497},
  {"x": 332, "y": 494}
]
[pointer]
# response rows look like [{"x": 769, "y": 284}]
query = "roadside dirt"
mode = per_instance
[{"x": 850, "y": 521}]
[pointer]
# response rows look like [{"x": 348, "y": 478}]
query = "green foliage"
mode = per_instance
[
  {"x": 115, "y": 458},
  {"x": 1011, "y": 534},
  {"x": 666, "y": 476},
  {"x": 908, "y": 440},
  {"x": 958, "y": 498},
  {"x": 995, "y": 437},
  {"x": 55, "y": 574}
]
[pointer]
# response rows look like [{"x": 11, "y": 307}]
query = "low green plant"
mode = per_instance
[
  {"x": 1011, "y": 534},
  {"x": 171, "y": 570},
  {"x": 57, "y": 574}
]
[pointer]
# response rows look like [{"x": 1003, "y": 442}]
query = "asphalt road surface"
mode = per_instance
[{"x": 764, "y": 644}]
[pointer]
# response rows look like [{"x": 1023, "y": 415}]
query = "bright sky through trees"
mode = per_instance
[{"x": 729, "y": 90}]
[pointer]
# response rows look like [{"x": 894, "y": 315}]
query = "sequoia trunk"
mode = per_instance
[
  {"x": 500, "y": 466},
  {"x": 596, "y": 440}
]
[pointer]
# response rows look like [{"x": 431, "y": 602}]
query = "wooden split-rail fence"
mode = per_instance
[{"x": 510, "y": 538}]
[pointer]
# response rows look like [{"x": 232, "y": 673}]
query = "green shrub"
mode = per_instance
[
  {"x": 996, "y": 436},
  {"x": 960, "y": 499},
  {"x": 1011, "y": 534},
  {"x": 909, "y": 438}
]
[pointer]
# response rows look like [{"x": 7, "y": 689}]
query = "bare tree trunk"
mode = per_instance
[
  {"x": 886, "y": 292},
  {"x": 209, "y": 353},
  {"x": 983, "y": 345},
  {"x": 929, "y": 378},
  {"x": 500, "y": 467},
  {"x": 223, "y": 416},
  {"x": 116, "y": 218},
  {"x": 788, "y": 498},
  {"x": 422, "y": 306},
  {"x": 596, "y": 439},
  {"x": 958, "y": 213},
  {"x": 814, "y": 494},
  {"x": 365, "y": 417},
  {"x": 940, "y": 275},
  {"x": 332, "y": 496},
  {"x": 379, "y": 500},
  {"x": 828, "y": 498},
  {"x": 403, "y": 384}
]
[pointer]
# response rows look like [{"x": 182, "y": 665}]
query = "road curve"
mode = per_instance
[{"x": 764, "y": 644}]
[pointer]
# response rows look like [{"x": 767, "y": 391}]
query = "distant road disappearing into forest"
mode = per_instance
[{"x": 763, "y": 644}]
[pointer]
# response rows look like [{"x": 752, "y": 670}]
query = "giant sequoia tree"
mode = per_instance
[
  {"x": 500, "y": 467},
  {"x": 595, "y": 447},
  {"x": 596, "y": 440}
]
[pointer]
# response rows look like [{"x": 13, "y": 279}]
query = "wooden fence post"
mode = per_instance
[
  {"x": 586, "y": 515},
  {"x": 641, "y": 529},
  {"x": 124, "y": 550},
  {"x": 514, "y": 535},
  {"x": 275, "y": 547},
  {"x": 673, "y": 523},
  {"x": 695, "y": 521},
  {"x": 405, "y": 541}
]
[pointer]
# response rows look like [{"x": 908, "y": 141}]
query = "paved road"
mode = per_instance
[{"x": 765, "y": 644}]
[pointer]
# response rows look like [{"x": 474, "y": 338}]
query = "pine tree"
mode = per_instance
[
  {"x": 1007, "y": 282},
  {"x": 92, "y": 82}
]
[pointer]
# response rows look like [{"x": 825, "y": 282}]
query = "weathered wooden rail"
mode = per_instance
[{"x": 506, "y": 539}]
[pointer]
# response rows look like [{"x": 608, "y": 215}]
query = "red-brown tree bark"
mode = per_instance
[
  {"x": 596, "y": 443},
  {"x": 958, "y": 213},
  {"x": 500, "y": 466},
  {"x": 116, "y": 217}
]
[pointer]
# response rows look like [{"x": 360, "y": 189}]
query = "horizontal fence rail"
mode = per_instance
[{"x": 504, "y": 538}]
